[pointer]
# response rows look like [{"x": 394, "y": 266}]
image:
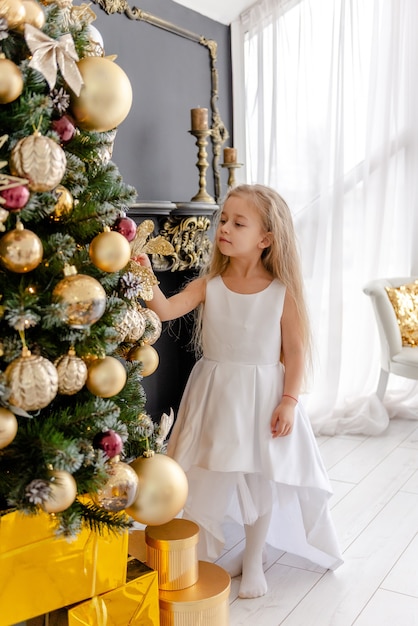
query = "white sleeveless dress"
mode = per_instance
[{"x": 222, "y": 437}]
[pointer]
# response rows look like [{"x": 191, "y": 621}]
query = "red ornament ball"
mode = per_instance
[
  {"x": 126, "y": 227},
  {"x": 110, "y": 442},
  {"x": 65, "y": 128},
  {"x": 15, "y": 198}
]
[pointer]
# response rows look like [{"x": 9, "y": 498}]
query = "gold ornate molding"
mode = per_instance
[
  {"x": 219, "y": 133},
  {"x": 187, "y": 226},
  {"x": 190, "y": 241}
]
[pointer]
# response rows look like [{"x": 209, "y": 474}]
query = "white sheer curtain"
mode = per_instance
[{"x": 328, "y": 93}]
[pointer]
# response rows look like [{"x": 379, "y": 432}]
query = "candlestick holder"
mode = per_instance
[
  {"x": 202, "y": 165},
  {"x": 231, "y": 172}
]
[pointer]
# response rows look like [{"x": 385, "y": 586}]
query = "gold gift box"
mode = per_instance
[
  {"x": 205, "y": 603},
  {"x": 133, "y": 604},
  {"x": 40, "y": 572},
  {"x": 172, "y": 551}
]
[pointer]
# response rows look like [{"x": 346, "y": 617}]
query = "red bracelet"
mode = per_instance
[{"x": 286, "y": 395}]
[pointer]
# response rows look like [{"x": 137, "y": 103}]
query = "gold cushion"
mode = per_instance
[{"x": 404, "y": 300}]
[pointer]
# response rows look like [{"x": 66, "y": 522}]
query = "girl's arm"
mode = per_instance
[
  {"x": 294, "y": 363},
  {"x": 181, "y": 303}
]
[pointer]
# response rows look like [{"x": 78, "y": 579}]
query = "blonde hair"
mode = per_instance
[{"x": 281, "y": 259}]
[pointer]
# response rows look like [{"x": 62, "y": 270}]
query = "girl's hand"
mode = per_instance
[
  {"x": 282, "y": 419},
  {"x": 142, "y": 259}
]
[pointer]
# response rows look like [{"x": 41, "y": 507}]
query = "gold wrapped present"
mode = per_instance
[
  {"x": 206, "y": 602},
  {"x": 134, "y": 604},
  {"x": 172, "y": 551},
  {"x": 40, "y": 572}
]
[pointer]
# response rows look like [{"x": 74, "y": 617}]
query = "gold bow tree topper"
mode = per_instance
[{"x": 143, "y": 244}]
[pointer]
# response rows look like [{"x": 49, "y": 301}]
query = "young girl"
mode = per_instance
[{"x": 241, "y": 434}]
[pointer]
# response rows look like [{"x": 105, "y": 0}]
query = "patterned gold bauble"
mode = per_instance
[
  {"x": 83, "y": 297},
  {"x": 153, "y": 328},
  {"x": 32, "y": 381},
  {"x": 110, "y": 251},
  {"x": 120, "y": 488},
  {"x": 8, "y": 427},
  {"x": 63, "y": 492},
  {"x": 132, "y": 326},
  {"x": 13, "y": 11},
  {"x": 11, "y": 81},
  {"x": 39, "y": 159},
  {"x": 147, "y": 355},
  {"x": 21, "y": 250},
  {"x": 34, "y": 14},
  {"x": 72, "y": 373},
  {"x": 105, "y": 98},
  {"x": 106, "y": 377},
  {"x": 64, "y": 204},
  {"x": 162, "y": 490}
]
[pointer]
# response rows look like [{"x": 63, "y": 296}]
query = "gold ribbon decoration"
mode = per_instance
[
  {"x": 50, "y": 54},
  {"x": 155, "y": 245}
]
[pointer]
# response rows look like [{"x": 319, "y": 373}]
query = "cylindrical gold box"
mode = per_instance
[
  {"x": 205, "y": 603},
  {"x": 172, "y": 551}
]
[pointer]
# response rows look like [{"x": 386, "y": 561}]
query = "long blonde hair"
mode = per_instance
[{"x": 281, "y": 259}]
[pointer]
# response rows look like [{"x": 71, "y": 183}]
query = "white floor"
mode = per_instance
[{"x": 375, "y": 509}]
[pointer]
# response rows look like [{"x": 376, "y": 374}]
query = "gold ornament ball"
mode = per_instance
[
  {"x": 162, "y": 490},
  {"x": 8, "y": 427},
  {"x": 39, "y": 159},
  {"x": 110, "y": 251},
  {"x": 136, "y": 327},
  {"x": 64, "y": 203},
  {"x": 120, "y": 489},
  {"x": 83, "y": 297},
  {"x": 132, "y": 327},
  {"x": 34, "y": 14},
  {"x": 32, "y": 381},
  {"x": 105, "y": 98},
  {"x": 21, "y": 250},
  {"x": 63, "y": 492},
  {"x": 148, "y": 356},
  {"x": 11, "y": 81},
  {"x": 153, "y": 329},
  {"x": 72, "y": 374},
  {"x": 106, "y": 377},
  {"x": 13, "y": 11}
]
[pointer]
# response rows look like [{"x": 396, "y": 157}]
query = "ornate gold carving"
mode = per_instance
[
  {"x": 190, "y": 242},
  {"x": 113, "y": 6}
]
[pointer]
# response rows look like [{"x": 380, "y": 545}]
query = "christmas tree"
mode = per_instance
[{"x": 74, "y": 338}]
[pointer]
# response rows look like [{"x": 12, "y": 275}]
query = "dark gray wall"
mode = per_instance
[{"x": 169, "y": 75}]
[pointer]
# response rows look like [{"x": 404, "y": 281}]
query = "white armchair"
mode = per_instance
[{"x": 395, "y": 358}]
